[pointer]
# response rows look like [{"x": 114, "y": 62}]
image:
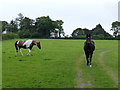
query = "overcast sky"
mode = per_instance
[{"x": 74, "y": 13}]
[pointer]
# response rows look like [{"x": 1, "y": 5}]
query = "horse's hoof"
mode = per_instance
[
  {"x": 90, "y": 65},
  {"x": 87, "y": 65},
  {"x": 28, "y": 55}
]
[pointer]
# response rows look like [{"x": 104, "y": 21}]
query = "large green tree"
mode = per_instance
[
  {"x": 44, "y": 26},
  {"x": 99, "y": 33},
  {"x": 78, "y": 33},
  {"x": 116, "y": 28},
  {"x": 12, "y": 27},
  {"x": 26, "y": 28},
  {"x": 26, "y": 24},
  {"x": 98, "y": 30}
]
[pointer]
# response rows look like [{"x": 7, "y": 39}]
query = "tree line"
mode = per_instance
[
  {"x": 45, "y": 27},
  {"x": 97, "y": 33},
  {"x": 41, "y": 27}
]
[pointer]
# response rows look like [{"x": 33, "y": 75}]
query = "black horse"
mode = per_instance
[{"x": 89, "y": 47}]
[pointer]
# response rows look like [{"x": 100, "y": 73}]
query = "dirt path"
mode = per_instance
[
  {"x": 80, "y": 82},
  {"x": 113, "y": 75}
]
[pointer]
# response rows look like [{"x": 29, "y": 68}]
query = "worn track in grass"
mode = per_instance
[
  {"x": 80, "y": 82},
  {"x": 113, "y": 75}
]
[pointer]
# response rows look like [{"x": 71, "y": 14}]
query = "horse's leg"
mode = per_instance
[
  {"x": 87, "y": 56},
  {"x": 90, "y": 60},
  {"x": 29, "y": 52},
  {"x": 16, "y": 47},
  {"x": 17, "y": 51},
  {"x": 21, "y": 52}
]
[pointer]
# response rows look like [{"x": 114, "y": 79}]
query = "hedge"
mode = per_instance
[{"x": 9, "y": 36}]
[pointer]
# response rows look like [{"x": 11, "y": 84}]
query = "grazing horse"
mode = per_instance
[
  {"x": 89, "y": 47},
  {"x": 26, "y": 45}
]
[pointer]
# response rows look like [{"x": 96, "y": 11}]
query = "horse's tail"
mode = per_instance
[{"x": 16, "y": 46}]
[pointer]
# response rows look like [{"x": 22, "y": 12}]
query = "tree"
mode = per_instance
[
  {"x": 4, "y": 25},
  {"x": 12, "y": 27},
  {"x": 116, "y": 28},
  {"x": 20, "y": 17},
  {"x": 98, "y": 30},
  {"x": 44, "y": 26},
  {"x": 59, "y": 27},
  {"x": 99, "y": 33},
  {"x": 78, "y": 33},
  {"x": 26, "y": 27},
  {"x": 26, "y": 24}
]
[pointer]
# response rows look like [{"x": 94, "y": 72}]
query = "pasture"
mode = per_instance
[{"x": 60, "y": 64}]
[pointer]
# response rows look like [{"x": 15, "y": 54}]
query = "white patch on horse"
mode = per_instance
[
  {"x": 27, "y": 43},
  {"x": 18, "y": 42}
]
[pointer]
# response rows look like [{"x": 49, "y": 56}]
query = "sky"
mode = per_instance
[{"x": 74, "y": 13}]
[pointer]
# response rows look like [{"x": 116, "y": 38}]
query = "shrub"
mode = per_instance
[
  {"x": 35, "y": 35},
  {"x": 100, "y": 36},
  {"x": 24, "y": 34},
  {"x": 9, "y": 36}
]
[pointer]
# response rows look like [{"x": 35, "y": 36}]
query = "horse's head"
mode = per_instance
[
  {"x": 37, "y": 43},
  {"x": 88, "y": 38}
]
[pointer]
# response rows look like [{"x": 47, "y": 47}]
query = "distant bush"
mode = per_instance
[
  {"x": 24, "y": 34},
  {"x": 100, "y": 36},
  {"x": 117, "y": 37},
  {"x": 9, "y": 36},
  {"x": 35, "y": 35}
]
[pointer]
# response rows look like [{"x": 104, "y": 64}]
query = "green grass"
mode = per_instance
[
  {"x": 113, "y": 61},
  {"x": 98, "y": 75},
  {"x": 54, "y": 66}
]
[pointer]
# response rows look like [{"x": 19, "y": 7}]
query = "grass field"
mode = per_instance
[{"x": 60, "y": 64}]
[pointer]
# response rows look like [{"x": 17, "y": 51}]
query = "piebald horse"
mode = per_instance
[
  {"x": 26, "y": 45},
  {"x": 89, "y": 47}
]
